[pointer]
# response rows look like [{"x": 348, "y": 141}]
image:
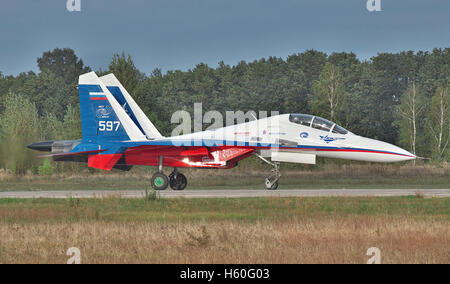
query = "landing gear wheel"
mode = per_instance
[
  {"x": 272, "y": 180},
  {"x": 177, "y": 181},
  {"x": 270, "y": 185},
  {"x": 160, "y": 181}
]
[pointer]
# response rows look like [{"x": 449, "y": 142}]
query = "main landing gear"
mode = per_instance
[
  {"x": 159, "y": 181},
  {"x": 176, "y": 180},
  {"x": 272, "y": 181}
]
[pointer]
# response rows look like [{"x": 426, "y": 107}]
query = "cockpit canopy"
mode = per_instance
[{"x": 317, "y": 123}]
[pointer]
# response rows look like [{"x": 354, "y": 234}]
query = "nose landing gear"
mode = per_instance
[{"x": 272, "y": 181}]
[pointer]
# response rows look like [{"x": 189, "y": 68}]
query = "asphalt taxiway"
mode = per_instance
[{"x": 228, "y": 193}]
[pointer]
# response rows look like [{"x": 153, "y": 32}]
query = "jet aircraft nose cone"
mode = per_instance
[
  {"x": 387, "y": 152},
  {"x": 44, "y": 146},
  {"x": 405, "y": 155},
  {"x": 398, "y": 154}
]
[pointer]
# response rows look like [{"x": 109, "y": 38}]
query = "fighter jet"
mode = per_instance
[{"x": 116, "y": 134}]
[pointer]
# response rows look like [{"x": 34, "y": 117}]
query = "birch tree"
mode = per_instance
[
  {"x": 411, "y": 110},
  {"x": 438, "y": 122},
  {"x": 328, "y": 92}
]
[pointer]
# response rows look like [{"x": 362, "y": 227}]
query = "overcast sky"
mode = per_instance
[{"x": 178, "y": 34}]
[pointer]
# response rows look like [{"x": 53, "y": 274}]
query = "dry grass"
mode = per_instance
[
  {"x": 247, "y": 230},
  {"x": 310, "y": 240}
]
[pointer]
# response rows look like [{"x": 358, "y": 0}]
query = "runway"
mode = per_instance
[{"x": 228, "y": 193}]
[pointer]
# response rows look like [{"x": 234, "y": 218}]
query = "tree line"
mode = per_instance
[{"x": 401, "y": 98}]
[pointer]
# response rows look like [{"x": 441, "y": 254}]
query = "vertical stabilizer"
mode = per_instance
[
  {"x": 102, "y": 117},
  {"x": 130, "y": 106}
]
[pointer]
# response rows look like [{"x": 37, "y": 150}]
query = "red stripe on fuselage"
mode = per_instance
[
  {"x": 99, "y": 99},
  {"x": 356, "y": 150},
  {"x": 336, "y": 150}
]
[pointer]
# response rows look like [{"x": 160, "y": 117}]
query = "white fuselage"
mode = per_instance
[{"x": 278, "y": 134}]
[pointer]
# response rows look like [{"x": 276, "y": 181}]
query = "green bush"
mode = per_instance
[{"x": 46, "y": 169}]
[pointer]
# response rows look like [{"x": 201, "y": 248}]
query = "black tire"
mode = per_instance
[
  {"x": 273, "y": 187},
  {"x": 183, "y": 182},
  {"x": 178, "y": 181},
  {"x": 160, "y": 181}
]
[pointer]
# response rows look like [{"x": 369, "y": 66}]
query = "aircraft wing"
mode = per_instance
[
  {"x": 122, "y": 156},
  {"x": 186, "y": 156}
]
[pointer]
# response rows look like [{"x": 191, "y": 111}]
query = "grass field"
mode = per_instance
[
  {"x": 247, "y": 230},
  {"x": 328, "y": 176}
]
